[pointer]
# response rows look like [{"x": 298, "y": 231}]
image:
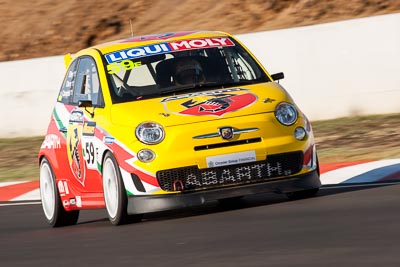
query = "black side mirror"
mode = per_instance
[
  {"x": 85, "y": 104},
  {"x": 278, "y": 76}
]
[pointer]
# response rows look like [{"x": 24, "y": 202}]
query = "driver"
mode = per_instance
[{"x": 188, "y": 71}]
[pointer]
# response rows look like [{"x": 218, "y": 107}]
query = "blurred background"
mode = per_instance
[{"x": 41, "y": 28}]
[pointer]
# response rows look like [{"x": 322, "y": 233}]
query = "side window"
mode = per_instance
[
  {"x": 67, "y": 87},
  {"x": 241, "y": 65},
  {"x": 244, "y": 70},
  {"x": 87, "y": 85}
]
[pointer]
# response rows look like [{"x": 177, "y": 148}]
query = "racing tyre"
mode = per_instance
[
  {"x": 302, "y": 194},
  {"x": 115, "y": 196},
  {"x": 53, "y": 209}
]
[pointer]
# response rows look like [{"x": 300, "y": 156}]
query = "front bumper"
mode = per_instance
[{"x": 155, "y": 203}]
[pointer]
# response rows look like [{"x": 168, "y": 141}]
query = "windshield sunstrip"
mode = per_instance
[{"x": 167, "y": 47}]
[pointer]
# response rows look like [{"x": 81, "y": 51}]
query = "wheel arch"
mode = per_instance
[
  {"x": 104, "y": 155},
  {"x": 51, "y": 157}
]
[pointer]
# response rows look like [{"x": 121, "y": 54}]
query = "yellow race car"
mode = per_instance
[{"x": 172, "y": 120}]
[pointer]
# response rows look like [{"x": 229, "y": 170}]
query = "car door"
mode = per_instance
[{"x": 81, "y": 89}]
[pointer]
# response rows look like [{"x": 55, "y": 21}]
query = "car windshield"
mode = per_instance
[{"x": 172, "y": 67}]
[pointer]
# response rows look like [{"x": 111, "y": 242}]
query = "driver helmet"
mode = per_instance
[{"x": 188, "y": 71}]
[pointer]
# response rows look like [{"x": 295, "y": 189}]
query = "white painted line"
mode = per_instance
[
  {"x": 32, "y": 195},
  {"x": 20, "y": 203},
  {"x": 341, "y": 175},
  {"x": 11, "y": 183},
  {"x": 327, "y": 187}
]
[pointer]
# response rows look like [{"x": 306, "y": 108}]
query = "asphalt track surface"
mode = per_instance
[{"x": 352, "y": 226}]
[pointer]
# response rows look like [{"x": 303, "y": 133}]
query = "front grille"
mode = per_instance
[
  {"x": 192, "y": 178},
  {"x": 232, "y": 143}
]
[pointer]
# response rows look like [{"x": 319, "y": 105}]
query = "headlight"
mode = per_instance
[
  {"x": 150, "y": 133},
  {"x": 146, "y": 155},
  {"x": 286, "y": 113},
  {"x": 300, "y": 133}
]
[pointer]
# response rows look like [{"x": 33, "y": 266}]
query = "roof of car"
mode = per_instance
[
  {"x": 138, "y": 41},
  {"x": 141, "y": 41}
]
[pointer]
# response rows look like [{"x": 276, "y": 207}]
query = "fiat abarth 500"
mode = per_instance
[{"x": 167, "y": 121}]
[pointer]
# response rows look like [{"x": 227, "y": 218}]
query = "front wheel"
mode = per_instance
[
  {"x": 115, "y": 196},
  {"x": 54, "y": 212}
]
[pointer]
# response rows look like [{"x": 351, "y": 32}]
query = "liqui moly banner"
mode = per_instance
[{"x": 162, "y": 48}]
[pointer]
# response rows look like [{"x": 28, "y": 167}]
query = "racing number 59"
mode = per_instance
[
  {"x": 124, "y": 64},
  {"x": 89, "y": 149}
]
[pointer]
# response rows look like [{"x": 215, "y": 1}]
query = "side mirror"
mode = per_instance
[
  {"x": 278, "y": 76},
  {"x": 85, "y": 104}
]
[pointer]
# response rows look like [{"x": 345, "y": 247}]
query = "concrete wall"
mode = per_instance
[
  {"x": 332, "y": 70},
  {"x": 336, "y": 69},
  {"x": 28, "y": 91}
]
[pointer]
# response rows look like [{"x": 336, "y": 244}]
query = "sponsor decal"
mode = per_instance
[
  {"x": 76, "y": 116},
  {"x": 66, "y": 93},
  {"x": 123, "y": 65},
  {"x": 78, "y": 201},
  {"x": 108, "y": 140},
  {"x": 74, "y": 148},
  {"x": 63, "y": 188},
  {"x": 72, "y": 201},
  {"x": 162, "y": 48},
  {"x": 215, "y": 103},
  {"x": 138, "y": 52},
  {"x": 51, "y": 141},
  {"x": 231, "y": 159},
  {"x": 89, "y": 128},
  {"x": 200, "y": 43},
  {"x": 90, "y": 153}
]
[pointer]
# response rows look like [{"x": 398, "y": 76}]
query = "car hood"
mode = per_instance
[{"x": 201, "y": 106}]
